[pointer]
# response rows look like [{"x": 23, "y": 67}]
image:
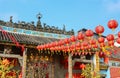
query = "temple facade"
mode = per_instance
[{"x": 18, "y": 53}]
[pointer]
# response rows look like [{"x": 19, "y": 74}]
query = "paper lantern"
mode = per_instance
[
  {"x": 111, "y": 43},
  {"x": 99, "y": 29},
  {"x": 72, "y": 47},
  {"x": 80, "y": 36},
  {"x": 102, "y": 44},
  {"x": 101, "y": 39},
  {"x": 38, "y": 47},
  {"x": 119, "y": 34},
  {"x": 118, "y": 40},
  {"x": 66, "y": 41},
  {"x": 89, "y": 33},
  {"x": 72, "y": 38},
  {"x": 77, "y": 46},
  {"x": 95, "y": 46},
  {"x": 110, "y": 37},
  {"x": 112, "y": 24},
  {"x": 61, "y": 42},
  {"x": 92, "y": 42}
]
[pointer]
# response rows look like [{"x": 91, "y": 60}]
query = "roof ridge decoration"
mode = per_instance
[{"x": 39, "y": 27}]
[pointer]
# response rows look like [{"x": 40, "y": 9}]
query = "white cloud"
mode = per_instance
[{"x": 112, "y": 5}]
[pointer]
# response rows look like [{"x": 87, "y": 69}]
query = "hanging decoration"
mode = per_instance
[
  {"x": 99, "y": 29},
  {"x": 119, "y": 34},
  {"x": 84, "y": 43},
  {"x": 80, "y": 36},
  {"x": 118, "y": 40},
  {"x": 89, "y": 33},
  {"x": 112, "y": 24}
]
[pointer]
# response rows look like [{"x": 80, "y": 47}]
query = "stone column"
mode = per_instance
[{"x": 70, "y": 66}]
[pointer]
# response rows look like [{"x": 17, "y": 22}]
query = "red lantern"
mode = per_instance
[
  {"x": 110, "y": 37},
  {"x": 62, "y": 47},
  {"x": 92, "y": 42},
  {"x": 99, "y": 29},
  {"x": 118, "y": 40},
  {"x": 49, "y": 45},
  {"x": 89, "y": 47},
  {"x": 102, "y": 44},
  {"x": 38, "y": 47},
  {"x": 112, "y": 24},
  {"x": 84, "y": 44},
  {"x": 67, "y": 48},
  {"x": 51, "y": 48},
  {"x": 82, "y": 47},
  {"x": 72, "y": 38},
  {"x": 119, "y": 34},
  {"x": 72, "y": 47},
  {"x": 56, "y": 43},
  {"x": 61, "y": 42},
  {"x": 110, "y": 43},
  {"x": 89, "y": 33},
  {"x": 80, "y": 36},
  {"x": 78, "y": 46},
  {"x": 66, "y": 40},
  {"x": 82, "y": 66},
  {"x": 95, "y": 46},
  {"x": 101, "y": 39}
]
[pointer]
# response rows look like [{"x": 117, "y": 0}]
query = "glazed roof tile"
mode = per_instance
[{"x": 22, "y": 38}]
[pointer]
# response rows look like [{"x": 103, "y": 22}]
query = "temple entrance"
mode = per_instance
[{"x": 39, "y": 66}]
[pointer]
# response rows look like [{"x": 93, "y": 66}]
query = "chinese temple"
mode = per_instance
[
  {"x": 18, "y": 51},
  {"x": 43, "y": 51}
]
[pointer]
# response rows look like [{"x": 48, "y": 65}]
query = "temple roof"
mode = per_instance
[{"x": 23, "y": 38}]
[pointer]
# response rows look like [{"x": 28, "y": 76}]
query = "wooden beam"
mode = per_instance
[
  {"x": 12, "y": 44},
  {"x": 11, "y": 56},
  {"x": 81, "y": 60}
]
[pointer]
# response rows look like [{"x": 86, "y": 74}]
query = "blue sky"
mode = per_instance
[{"x": 75, "y": 14}]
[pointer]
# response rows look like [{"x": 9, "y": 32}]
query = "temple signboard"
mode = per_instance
[{"x": 34, "y": 33}]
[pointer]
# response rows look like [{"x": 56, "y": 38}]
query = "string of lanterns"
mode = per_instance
[{"x": 85, "y": 43}]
